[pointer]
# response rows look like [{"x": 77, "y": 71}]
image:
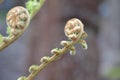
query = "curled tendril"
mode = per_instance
[
  {"x": 73, "y": 29},
  {"x": 17, "y": 19}
]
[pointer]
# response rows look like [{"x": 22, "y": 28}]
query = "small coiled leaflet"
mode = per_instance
[{"x": 17, "y": 19}]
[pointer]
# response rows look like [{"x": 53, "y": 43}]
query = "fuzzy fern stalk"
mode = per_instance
[
  {"x": 33, "y": 6},
  {"x": 18, "y": 19},
  {"x": 74, "y": 30}
]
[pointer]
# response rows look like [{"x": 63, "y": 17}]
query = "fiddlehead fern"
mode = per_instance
[
  {"x": 17, "y": 20},
  {"x": 74, "y": 30}
]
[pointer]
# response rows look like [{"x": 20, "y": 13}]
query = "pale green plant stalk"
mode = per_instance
[
  {"x": 33, "y": 6},
  {"x": 74, "y": 30}
]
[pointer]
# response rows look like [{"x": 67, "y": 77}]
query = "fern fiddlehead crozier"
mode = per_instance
[
  {"x": 17, "y": 19},
  {"x": 74, "y": 30}
]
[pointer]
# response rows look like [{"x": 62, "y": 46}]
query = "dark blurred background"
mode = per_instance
[{"x": 100, "y": 62}]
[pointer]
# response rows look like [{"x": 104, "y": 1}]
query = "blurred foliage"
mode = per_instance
[
  {"x": 33, "y": 6},
  {"x": 114, "y": 73},
  {"x": 8, "y": 30},
  {"x": 1, "y": 38},
  {"x": 1, "y": 1}
]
